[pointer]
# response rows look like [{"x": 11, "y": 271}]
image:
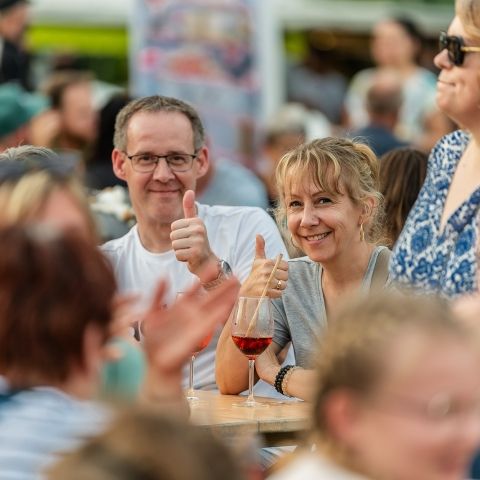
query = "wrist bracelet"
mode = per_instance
[
  {"x": 280, "y": 376},
  {"x": 286, "y": 378}
]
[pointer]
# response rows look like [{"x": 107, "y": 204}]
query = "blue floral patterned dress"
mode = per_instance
[{"x": 426, "y": 259}]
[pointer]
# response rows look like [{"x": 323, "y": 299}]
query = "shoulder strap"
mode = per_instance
[{"x": 380, "y": 271}]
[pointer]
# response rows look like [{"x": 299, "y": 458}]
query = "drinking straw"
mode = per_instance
[{"x": 264, "y": 293}]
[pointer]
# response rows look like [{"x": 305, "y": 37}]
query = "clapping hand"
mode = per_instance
[{"x": 171, "y": 334}]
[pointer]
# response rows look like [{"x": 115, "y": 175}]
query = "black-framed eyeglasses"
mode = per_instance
[
  {"x": 147, "y": 162},
  {"x": 456, "y": 48}
]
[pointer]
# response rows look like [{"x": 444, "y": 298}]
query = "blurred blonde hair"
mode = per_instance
[
  {"x": 148, "y": 445},
  {"x": 355, "y": 349},
  {"x": 337, "y": 166},
  {"x": 22, "y": 198},
  {"x": 468, "y": 12}
]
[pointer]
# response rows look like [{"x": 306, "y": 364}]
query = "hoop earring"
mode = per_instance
[
  {"x": 292, "y": 242},
  {"x": 362, "y": 233}
]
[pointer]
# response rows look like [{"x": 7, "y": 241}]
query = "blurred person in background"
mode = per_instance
[
  {"x": 148, "y": 445},
  {"x": 71, "y": 100},
  {"x": 437, "y": 251},
  {"x": 56, "y": 299},
  {"x": 396, "y": 45},
  {"x": 14, "y": 59},
  {"x": 20, "y": 113},
  {"x": 231, "y": 184},
  {"x": 397, "y": 395},
  {"x": 285, "y": 131},
  {"x": 436, "y": 124},
  {"x": 383, "y": 102},
  {"x": 402, "y": 173},
  {"x": 316, "y": 82},
  {"x": 99, "y": 172},
  {"x": 330, "y": 204}
]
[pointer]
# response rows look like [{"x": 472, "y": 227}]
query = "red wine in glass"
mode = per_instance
[
  {"x": 251, "y": 347},
  {"x": 203, "y": 344},
  {"x": 252, "y": 332}
]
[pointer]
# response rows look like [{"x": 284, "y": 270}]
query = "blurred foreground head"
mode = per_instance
[
  {"x": 37, "y": 186},
  {"x": 56, "y": 294},
  {"x": 143, "y": 445},
  {"x": 399, "y": 391}
]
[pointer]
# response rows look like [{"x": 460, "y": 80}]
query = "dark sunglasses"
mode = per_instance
[{"x": 455, "y": 47}]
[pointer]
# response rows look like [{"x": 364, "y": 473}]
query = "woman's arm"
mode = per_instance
[
  {"x": 298, "y": 382},
  {"x": 231, "y": 366}
]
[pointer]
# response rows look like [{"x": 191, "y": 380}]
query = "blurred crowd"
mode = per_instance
[{"x": 128, "y": 252}]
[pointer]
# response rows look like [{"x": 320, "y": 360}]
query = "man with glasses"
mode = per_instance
[{"x": 160, "y": 152}]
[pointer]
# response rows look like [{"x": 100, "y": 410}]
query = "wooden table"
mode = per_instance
[{"x": 280, "y": 423}]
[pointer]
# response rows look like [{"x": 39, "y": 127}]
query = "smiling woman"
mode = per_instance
[
  {"x": 330, "y": 204},
  {"x": 447, "y": 208}
]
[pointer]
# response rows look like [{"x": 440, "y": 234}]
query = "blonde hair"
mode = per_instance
[
  {"x": 337, "y": 166},
  {"x": 23, "y": 197},
  {"x": 468, "y": 11},
  {"x": 146, "y": 445},
  {"x": 355, "y": 349}
]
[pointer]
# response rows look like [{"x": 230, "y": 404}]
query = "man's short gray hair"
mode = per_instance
[{"x": 154, "y": 104}]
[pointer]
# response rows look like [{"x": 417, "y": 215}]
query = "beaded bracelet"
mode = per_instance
[
  {"x": 280, "y": 376},
  {"x": 286, "y": 378}
]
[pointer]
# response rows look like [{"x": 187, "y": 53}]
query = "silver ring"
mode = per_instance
[{"x": 279, "y": 285}]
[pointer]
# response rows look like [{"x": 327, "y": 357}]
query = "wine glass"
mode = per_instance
[
  {"x": 252, "y": 332},
  {"x": 191, "y": 397}
]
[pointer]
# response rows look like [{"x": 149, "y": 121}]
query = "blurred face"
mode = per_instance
[
  {"x": 283, "y": 144},
  {"x": 423, "y": 421},
  {"x": 13, "y": 22},
  {"x": 62, "y": 211},
  {"x": 392, "y": 46},
  {"x": 324, "y": 226},
  {"x": 458, "y": 90},
  {"x": 157, "y": 196},
  {"x": 78, "y": 114}
]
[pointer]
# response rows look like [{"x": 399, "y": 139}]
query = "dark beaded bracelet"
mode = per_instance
[{"x": 280, "y": 376}]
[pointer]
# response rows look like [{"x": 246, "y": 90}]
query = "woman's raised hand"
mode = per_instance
[{"x": 262, "y": 268}]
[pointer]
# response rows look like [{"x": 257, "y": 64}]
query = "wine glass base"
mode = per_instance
[{"x": 250, "y": 404}]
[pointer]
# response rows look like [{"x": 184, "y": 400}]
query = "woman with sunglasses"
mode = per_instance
[{"x": 437, "y": 250}]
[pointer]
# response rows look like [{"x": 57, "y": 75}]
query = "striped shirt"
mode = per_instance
[{"x": 38, "y": 424}]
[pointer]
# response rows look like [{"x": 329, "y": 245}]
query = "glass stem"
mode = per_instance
[
  {"x": 190, "y": 386},
  {"x": 251, "y": 370}
]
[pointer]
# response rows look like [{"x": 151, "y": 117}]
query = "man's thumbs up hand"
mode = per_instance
[{"x": 190, "y": 241}]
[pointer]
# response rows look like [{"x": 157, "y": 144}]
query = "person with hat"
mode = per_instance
[
  {"x": 14, "y": 59},
  {"x": 17, "y": 109}
]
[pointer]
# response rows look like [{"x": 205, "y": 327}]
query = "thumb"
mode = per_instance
[
  {"x": 259, "y": 247},
  {"x": 189, "y": 204}
]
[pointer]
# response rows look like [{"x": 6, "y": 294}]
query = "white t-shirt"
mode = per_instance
[
  {"x": 314, "y": 467},
  {"x": 231, "y": 234}
]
